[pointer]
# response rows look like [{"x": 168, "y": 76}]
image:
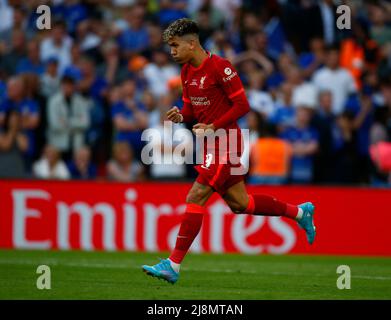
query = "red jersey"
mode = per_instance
[
  {"x": 209, "y": 88},
  {"x": 209, "y": 93}
]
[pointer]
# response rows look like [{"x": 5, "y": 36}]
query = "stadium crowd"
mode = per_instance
[{"x": 75, "y": 99}]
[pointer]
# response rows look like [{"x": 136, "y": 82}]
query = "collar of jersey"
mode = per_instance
[{"x": 203, "y": 62}]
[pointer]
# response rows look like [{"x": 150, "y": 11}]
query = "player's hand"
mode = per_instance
[
  {"x": 174, "y": 115},
  {"x": 200, "y": 129}
]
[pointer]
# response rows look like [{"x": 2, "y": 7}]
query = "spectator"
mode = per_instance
[
  {"x": 68, "y": 118},
  {"x": 13, "y": 55},
  {"x": 305, "y": 143},
  {"x": 270, "y": 157},
  {"x": 18, "y": 22},
  {"x": 259, "y": 100},
  {"x": 159, "y": 72},
  {"x": 32, "y": 62},
  {"x": 171, "y": 10},
  {"x": 6, "y": 15},
  {"x": 335, "y": 79},
  {"x": 345, "y": 164},
  {"x": 283, "y": 115},
  {"x": 87, "y": 39},
  {"x": 74, "y": 13},
  {"x": 123, "y": 167},
  {"x": 253, "y": 122},
  {"x": 324, "y": 121},
  {"x": 314, "y": 59},
  {"x": 110, "y": 69},
  {"x": 58, "y": 45},
  {"x": 219, "y": 44},
  {"x": 129, "y": 117},
  {"x": 30, "y": 115},
  {"x": 94, "y": 89},
  {"x": 50, "y": 80},
  {"x": 134, "y": 38},
  {"x": 155, "y": 40},
  {"x": 379, "y": 29},
  {"x": 322, "y": 17},
  {"x": 303, "y": 92},
  {"x": 12, "y": 142},
  {"x": 205, "y": 24},
  {"x": 51, "y": 166},
  {"x": 73, "y": 69},
  {"x": 380, "y": 132},
  {"x": 81, "y": 166}
]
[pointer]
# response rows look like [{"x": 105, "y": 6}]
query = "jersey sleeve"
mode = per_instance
[
  {"x": 230, "y": 82},
  {"x": 228, "y": 78},
  {"x": 185, "y": 96},
  {"x": 187, "y": 109}
]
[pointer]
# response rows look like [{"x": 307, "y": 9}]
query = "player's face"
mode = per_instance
[{"x": 181, "y": 49}]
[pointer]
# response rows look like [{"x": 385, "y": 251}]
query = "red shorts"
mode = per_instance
[{"x": 219, "y": 176}]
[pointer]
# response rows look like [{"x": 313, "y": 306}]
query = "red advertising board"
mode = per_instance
[{"x": 146, "y": 217}]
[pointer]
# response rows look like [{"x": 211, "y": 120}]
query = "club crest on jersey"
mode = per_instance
[{"x": 202, "y": 82}]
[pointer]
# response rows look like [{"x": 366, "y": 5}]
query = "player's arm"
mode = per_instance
[
  {"x": 186, "y": 114},
  {"x": 230, "y": 82}
]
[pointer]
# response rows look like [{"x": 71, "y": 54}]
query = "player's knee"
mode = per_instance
[
  {"x": 237, "y": 207},
  {"x": 195, "y": 196}
]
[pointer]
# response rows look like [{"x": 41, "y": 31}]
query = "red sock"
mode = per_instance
[
  {"x": 264, "y": 205},
  {"x": 190, "y": 226}
]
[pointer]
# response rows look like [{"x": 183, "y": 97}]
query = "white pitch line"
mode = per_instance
[{"x": 54, "y": 262}]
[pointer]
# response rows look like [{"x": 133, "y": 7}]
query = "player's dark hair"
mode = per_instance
[{"x": 180, "y": 28}]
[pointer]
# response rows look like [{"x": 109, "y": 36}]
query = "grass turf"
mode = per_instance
[{"x": 117, "y": 275}]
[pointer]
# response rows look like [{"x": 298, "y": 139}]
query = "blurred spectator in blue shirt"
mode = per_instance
[
  {"x": 81, "y": 166},
  {"x": 135, "y": 37},
  {"x": 314, "y": 59},
  {"x": 305, "y": 143},
  {"x": 171, "y": 10},
  {"x": 129, "y": 117},
  {"x": 12, "y": 142},
  {"x": 73, "y": 13},
  {"x": 30, "y": 115},
  {"x": 284, "y": 114},
  {"x": 14, "y": 53},
  {"x": 58, "y": 44},
  {"x": 32, "y": 62}
]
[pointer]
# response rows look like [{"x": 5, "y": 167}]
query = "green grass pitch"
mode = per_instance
[{"x": 117, "y": 275}]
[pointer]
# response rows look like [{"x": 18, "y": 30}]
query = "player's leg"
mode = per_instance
[
  {"x": 192, "y": 220},
  {"x": 168, "y": 269},
  {"x": 240, "y": 201}
]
